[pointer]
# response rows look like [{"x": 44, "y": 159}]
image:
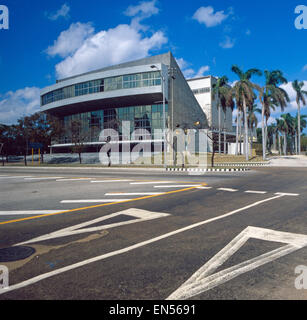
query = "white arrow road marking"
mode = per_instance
[
  {"x": 204, "y": 279},
  {"x": 130, "y": 248},
  {"x": 33, "y": 212},
  {"x": 138, "y": 214}
]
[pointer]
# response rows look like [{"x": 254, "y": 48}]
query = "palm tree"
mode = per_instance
[
  {"x": 227, "y": 102},
  {"x": 283, "y": 129},
  {"x": 290, "y": 128},
  {"x": 252, "y": 120},
  {"x": 244, "y": 93},
  {"x": 300, "y": 97},
  {"x": 271, "y": 96},
  {"x": 302, "y": 126},
  {"x": 218, "y": 93},
  {"x": 280, "y": 127}
]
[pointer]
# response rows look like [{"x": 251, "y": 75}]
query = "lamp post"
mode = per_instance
[{"x": 164, "y": 113}]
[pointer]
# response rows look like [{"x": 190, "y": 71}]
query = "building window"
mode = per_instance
[
  {"x": 142, "y": 118},
  {"x": 139, "y": 80},
  {"x": 202, "y": 90}
]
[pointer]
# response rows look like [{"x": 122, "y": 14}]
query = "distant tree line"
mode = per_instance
[{"x": 15, "y": 140}]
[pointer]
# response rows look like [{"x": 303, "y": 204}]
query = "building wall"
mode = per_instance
[
  {"x": 208, "y": 104},
  {"x": 187, "y": 110},
  {"x": 183, "y": 108}
]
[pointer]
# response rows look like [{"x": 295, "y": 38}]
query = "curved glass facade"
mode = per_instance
[
  {"x": 90, "y": 124},
  {"x": 147, "y": 79}
]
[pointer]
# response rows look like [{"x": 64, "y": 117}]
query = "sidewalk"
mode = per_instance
[{"x": 289, "y": 161}]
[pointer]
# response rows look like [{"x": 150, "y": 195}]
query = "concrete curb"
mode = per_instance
[
  {"x": 255, "y": 164},
  {"x": 198, "y": 170}
]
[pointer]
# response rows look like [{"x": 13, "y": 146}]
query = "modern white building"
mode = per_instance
[{"x": 202, "y": 89}]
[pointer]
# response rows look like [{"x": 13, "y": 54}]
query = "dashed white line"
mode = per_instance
[
  {"x": 128, "y": 249},
  {"x": 44, "y": 178},
  {"x": 228, "y": 189},
  {"x": 95, "y": 201},
  {"x": 150, "y": 182},
  {"x": 109, "y": 181},
  {"x": 179, "y": 186},
  {"x": 133, "y": 194},
  {"x": 256, "y": 192},
  {"x": 287, "y": 194},
  {"x": 77, "y": 179},
  {"x": 15, "y": 177},
  {"x": 30, "y": 212}
]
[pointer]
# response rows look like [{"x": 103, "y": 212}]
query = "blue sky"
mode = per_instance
[{"x": 47, "y": 40}]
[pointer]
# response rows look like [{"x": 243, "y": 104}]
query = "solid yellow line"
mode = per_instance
[{"x": 99, "y": 206}]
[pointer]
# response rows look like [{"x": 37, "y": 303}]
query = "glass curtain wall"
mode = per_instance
[
  {"x": 149, "y": 117},
  {"x": 147, "y": 79}
]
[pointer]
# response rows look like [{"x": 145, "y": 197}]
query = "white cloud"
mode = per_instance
[
  {"x": 70, "y": 40},
  {"x": 190, "y": 73},
  {"x": 141, "y": 12},
  {"x": 292, "y": 105},
  {"x": 16, "y": 104},
  {"x": 83, "y": 49},
  {"x": 182, "y": 63},
  {"x": 63, "y": 12},
  {"x": 228, "y": 43},
  {"x": 305, "y": 68},
  {"x": 248, "y": 32},
  {"x": 110, "y": 47},
  {"x": 206, "y": 15},
  {"x": 201, "y": 72}
]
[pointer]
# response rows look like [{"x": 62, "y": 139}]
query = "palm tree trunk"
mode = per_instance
[
  {"x": 285, "y": 143},
  {"x": 266, "y": 135},
  {"x": 263, "y": 135},
  {"x": 240, "y": 134},
  {"x": 279, "y": 144},
  {"x": 299, "y": 127},
  {"x": 246, "y": 130},
  {"x": 225, "y": 133},
  {"x": 237, "y": 134},
  {"x": 220, "y": 140}
]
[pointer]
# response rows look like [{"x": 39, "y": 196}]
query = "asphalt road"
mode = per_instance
[{"x": 124, "y": 235}]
